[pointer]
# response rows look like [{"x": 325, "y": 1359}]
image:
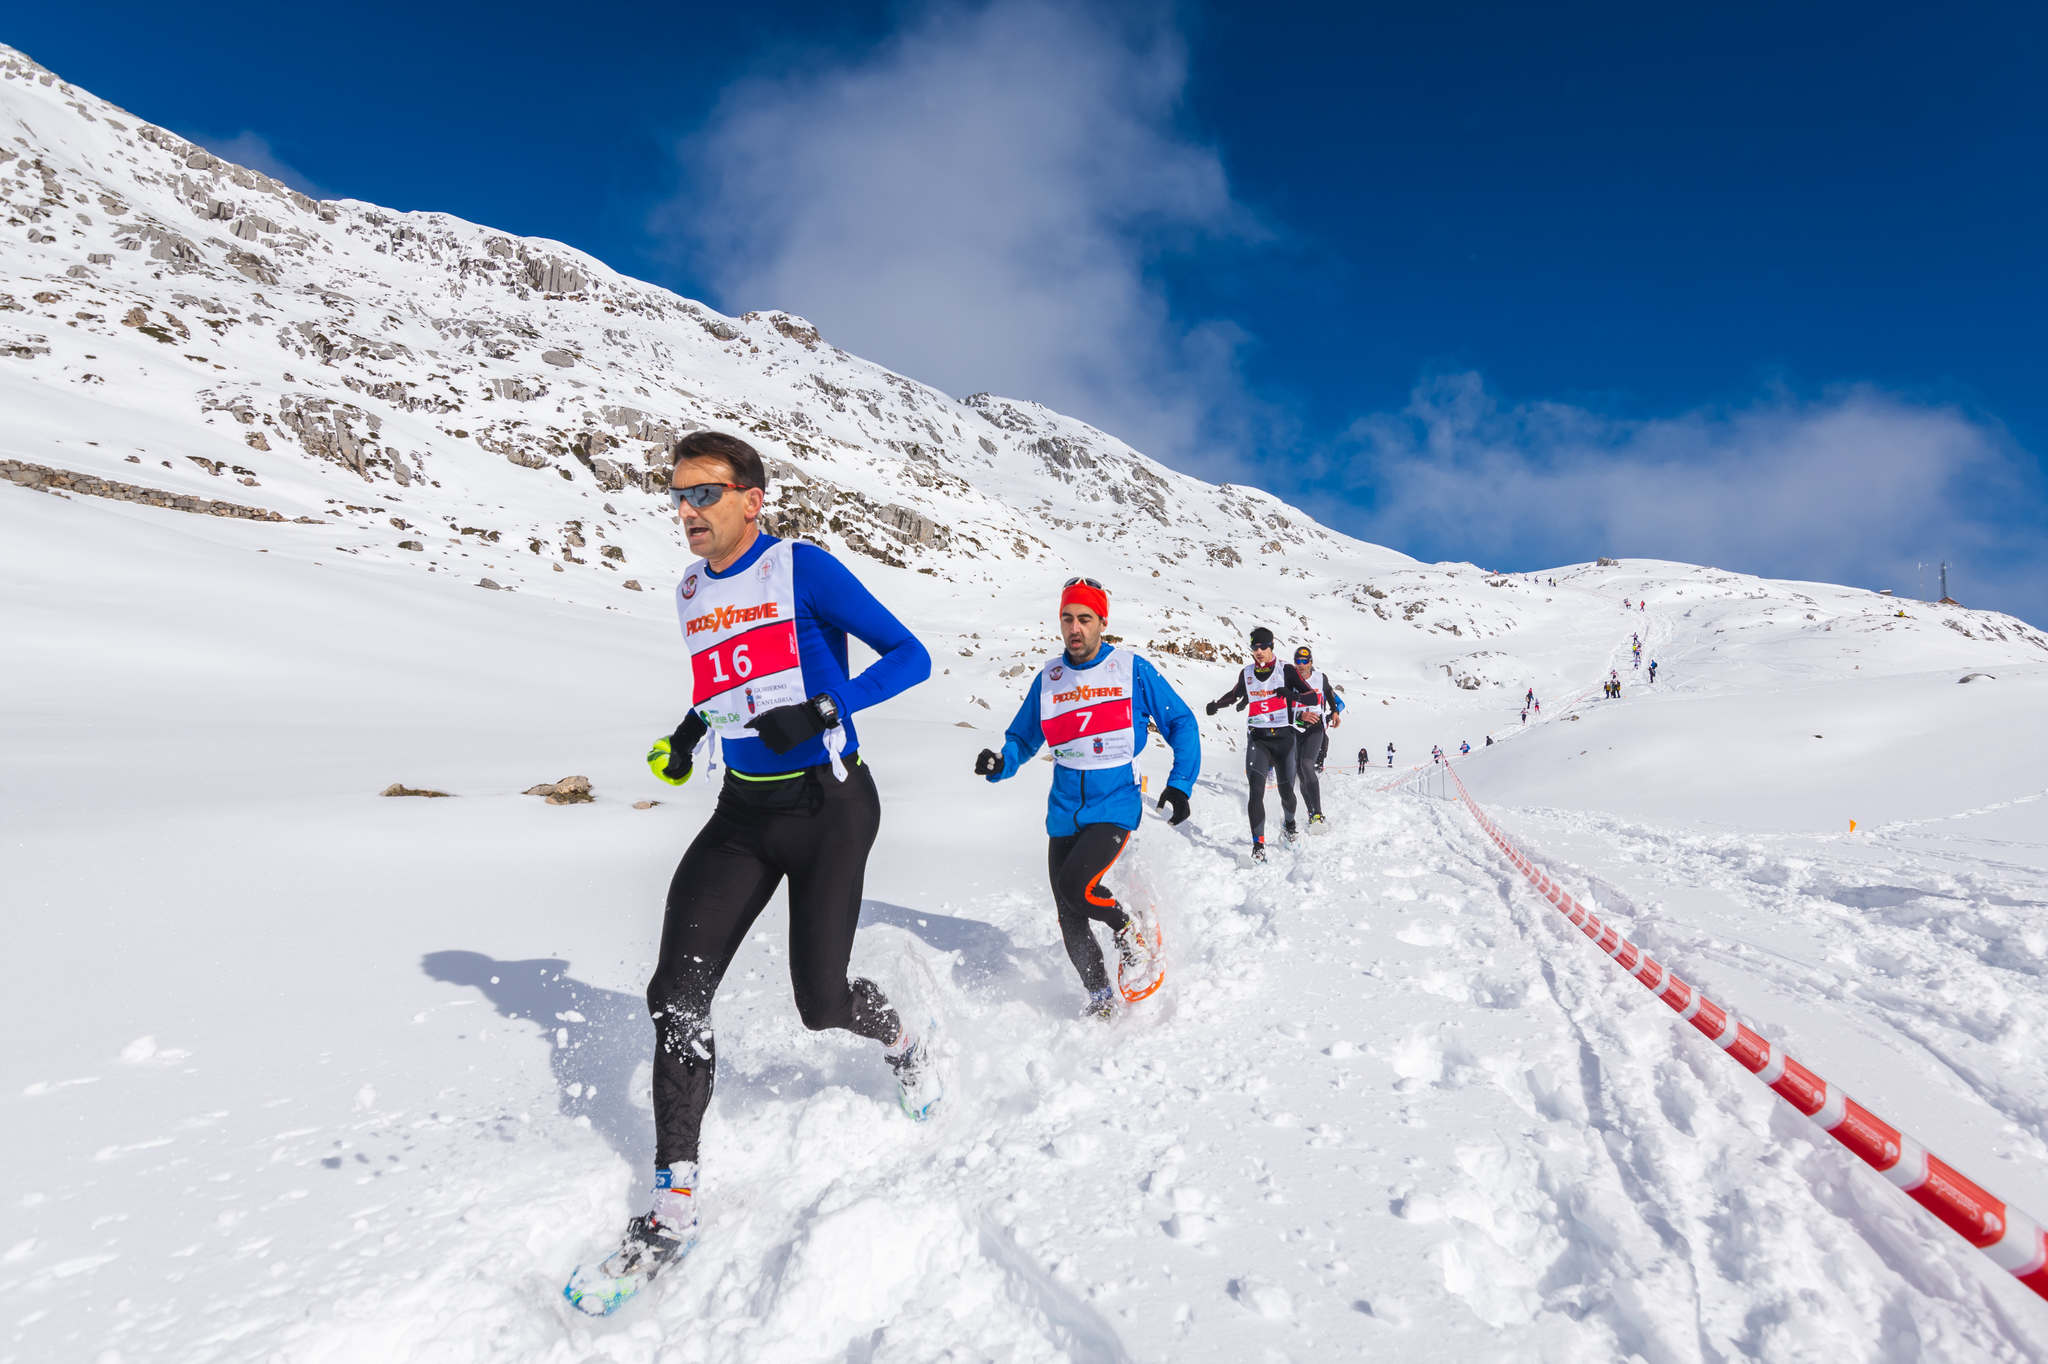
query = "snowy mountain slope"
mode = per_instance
[
  {"x": 313, "y": 1075},
  {"x": 415, "y": 380},
  {"x": 1855, "y": 708}
]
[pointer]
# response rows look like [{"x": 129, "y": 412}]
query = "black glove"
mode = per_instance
[
  {"x": 1178, "y": 799},
  {"x": 1211, "y": 708},
  {"x": 787, "y": 726},
  {"x": 988, "y": 763},
  {"x": 682, "y": 746},
  {"x": 1243, "y": 705}
]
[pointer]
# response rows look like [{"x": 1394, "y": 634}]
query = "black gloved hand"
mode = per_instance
[
  {"x": 1244, "y": 705},
  {"x": 1211, "y": 708},
  {"x": 784, "y": 727},
  {"x": 674, "y": 765},
  {"x": 1178, "y": 799},
  {"x": 988, "y": 763}
]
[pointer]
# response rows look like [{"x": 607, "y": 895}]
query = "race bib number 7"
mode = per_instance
[{"x": 1070, "y": 725}]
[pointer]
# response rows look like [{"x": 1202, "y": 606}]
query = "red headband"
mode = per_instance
[{"x": 1081, "y": 594}]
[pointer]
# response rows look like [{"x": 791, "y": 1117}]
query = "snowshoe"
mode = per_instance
[
  {"x": 1101, "y": 1005},
  {"x": 1140, "y": 965},
  {"x": 919, "y": 1088},
  {"x": 1291, "y": 831},
  {"x": 1317, "y": 824},
  {"x": 651, "y": 1244},
  {"x": 1258, "y": 850}
]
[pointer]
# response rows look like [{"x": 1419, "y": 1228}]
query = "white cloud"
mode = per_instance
[
  {"x": 982, "y": 202},
  {"x": 1854, "y": 486},
  {"x": 977, "y": 202},
  {"x": 254, "y": 151}
]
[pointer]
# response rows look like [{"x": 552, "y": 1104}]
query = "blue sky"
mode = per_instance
[{"x": 1756, "y": 285}]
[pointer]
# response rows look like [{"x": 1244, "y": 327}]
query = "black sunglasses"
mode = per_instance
[
  {"x": 699, "y": 495},
  {"x": 1085, "y": 582}
]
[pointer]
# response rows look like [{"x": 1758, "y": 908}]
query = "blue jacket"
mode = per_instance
[
  {"x": 830, "y": 605},
  {"x": 1107, "y": 795}
]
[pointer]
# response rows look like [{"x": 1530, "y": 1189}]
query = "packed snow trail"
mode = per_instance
[
  {"x": 2009, "y": 1238},
  {"x": 1377, "y": 1109},
  {"x": 1748, "y": 1188}
]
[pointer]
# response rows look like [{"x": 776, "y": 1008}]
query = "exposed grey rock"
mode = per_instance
[
  {"x": 341, "y": 432},
  {"x": 561, "y": 358},
  {"x": 43, "y": 478},
  {"x": 554, "y": 277},
  {"x": 567, "y": 791},
  {"x": 253, "y": 266},
  {"x": 169, "y": 246}
]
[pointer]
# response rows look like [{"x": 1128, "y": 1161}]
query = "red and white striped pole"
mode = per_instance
[{"x": 2013, "y": 1241}]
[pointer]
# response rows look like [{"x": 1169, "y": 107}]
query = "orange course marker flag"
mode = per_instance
[{"x": 1852, "y": 826}]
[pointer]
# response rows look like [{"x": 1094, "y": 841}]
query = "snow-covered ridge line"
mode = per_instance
[
  {"x": 2008, "y": 1237},
  {"x": 405, "y": 349},
  {"x": 455, "y": 399}
]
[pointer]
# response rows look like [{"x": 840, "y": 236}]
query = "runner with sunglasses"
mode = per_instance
[
  {"x": 1268, "y": 689},
  {"x": 766, "y": 622},
  {"x": 1093, "y": 703}
]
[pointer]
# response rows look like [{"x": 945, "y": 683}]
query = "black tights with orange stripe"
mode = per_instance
[{"x": 1076, "y": 863}]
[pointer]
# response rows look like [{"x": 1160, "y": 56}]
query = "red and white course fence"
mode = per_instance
[{"x": 2013, "y": 1241}]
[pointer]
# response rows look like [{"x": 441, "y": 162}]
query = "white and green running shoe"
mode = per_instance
[{"x": 650, "y": 1245}]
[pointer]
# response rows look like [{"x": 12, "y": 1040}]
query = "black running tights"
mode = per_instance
[
  {"x": 810, "y": 828},
  {"x": 1076, "y": 864},
  {"x": 1269, "y": 751}
]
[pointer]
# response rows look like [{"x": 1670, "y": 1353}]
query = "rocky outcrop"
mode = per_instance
[
  {"x": 552, "y": 276},
  {"x": 789, "y": 325},
  {"x": 43, "y": 478},
  {"x": 339, "y": 432},
  {"x": 567, "y": 791}
]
